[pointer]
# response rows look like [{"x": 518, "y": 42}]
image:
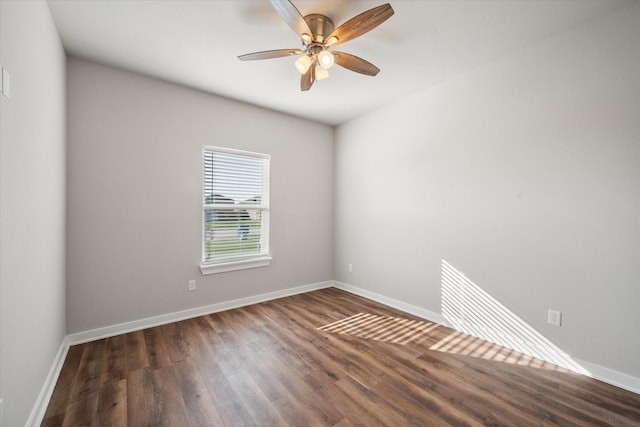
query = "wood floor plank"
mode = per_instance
[
  {"x": 260, "y": 365},
  {"x": 412, "y": 395},
  {"x": 114, "y": 364},
  {"x": 371, "y": 402},
  {"x": 324, "y": 358},
  {"x": 176, "y": 341},
  {"x": 258, "y": 405},
  {"x": 157, "y": 352},
  {"x": 231, "y": 363},
  {"x": 83, "y": 412},
  {"x": 227, "y": 402},
  {"x": 199, "y": 404},
  {"x": 112, "y": 404},
  {"x": 53, "y": 420},
  {"x": 154, "y": 398},
  {"x": 136, "y": 351},
  {"x": 60, "y": 397},
  {"x": 208, "y": 341},
  {"x": 87, "y": 380}
]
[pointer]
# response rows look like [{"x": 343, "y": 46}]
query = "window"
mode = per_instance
[{"x": 235, "y": 209}]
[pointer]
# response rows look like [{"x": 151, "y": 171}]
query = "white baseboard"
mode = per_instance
[
  {"x": 149, "y": 322},
  {"x": 39, "y": 409},
  {"x": 400, "y": 305},
  {"x": 598, "y": 372},
  {"x": 609, "y": 376}
]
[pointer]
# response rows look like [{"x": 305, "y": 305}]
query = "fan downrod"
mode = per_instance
[{"x": 321, "y": 26}]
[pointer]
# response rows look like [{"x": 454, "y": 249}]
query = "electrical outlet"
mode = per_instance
[
  {"x": 350, "y": 268},
  {"x": 192, "y": 285},
  {"x": 555, "y": 317}
]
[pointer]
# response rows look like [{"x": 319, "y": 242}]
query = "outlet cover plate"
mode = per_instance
[{"x": 555, "y": 317}]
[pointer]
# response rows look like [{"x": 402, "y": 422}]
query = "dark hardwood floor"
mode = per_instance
[{"x": 325, "y": 358}]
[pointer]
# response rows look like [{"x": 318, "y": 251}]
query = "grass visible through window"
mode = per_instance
[{"x": 225, "y": 238}]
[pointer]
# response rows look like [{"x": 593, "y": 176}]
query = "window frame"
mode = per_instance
[{"x": 240, "y": 262}]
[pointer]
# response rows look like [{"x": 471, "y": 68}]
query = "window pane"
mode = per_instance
[
  {"x": 232, "y": 232},
  {"x": 230, "y": 178},
  {"x": 236, "y": 205}
]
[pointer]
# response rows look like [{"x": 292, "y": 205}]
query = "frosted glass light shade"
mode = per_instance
[
  {"x": 330, "y": 41},
  {"x": 303, "y": 63},
  {"x": 326, "y": 59},
  {"x": 321, "y": 73}
]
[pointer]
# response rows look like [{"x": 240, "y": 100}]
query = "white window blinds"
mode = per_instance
[{"x": 235, "y": 205}]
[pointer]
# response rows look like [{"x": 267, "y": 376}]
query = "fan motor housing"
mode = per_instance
[{"x": 320, "y": 26}]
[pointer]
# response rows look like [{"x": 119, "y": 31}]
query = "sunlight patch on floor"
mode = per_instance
[
  {"x": 468, "y": 345},
  {"x": 382, "y": 328}
]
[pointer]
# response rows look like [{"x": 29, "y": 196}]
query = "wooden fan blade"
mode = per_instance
[
  {"x": 354, "y": 63},
  {"x": 268, "y": 54},
  {"x": 363, "y": 23},
  {"x": 308, "y": 78},
  {"x": 291, "y": 16}
]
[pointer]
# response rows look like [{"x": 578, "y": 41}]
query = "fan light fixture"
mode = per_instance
[
  {"x": 321, "y": 72},
  {"x": 317, "y": 35},
  {"x": 303, "y": 63},
  {"x": 326, "y": 59}
]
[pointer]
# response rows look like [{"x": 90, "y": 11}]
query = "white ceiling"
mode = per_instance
[{"x": 196, "y": 43}]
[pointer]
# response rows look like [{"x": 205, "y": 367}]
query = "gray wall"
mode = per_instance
[
  {"x": 134, "y": 196},
  {"x": 32, "y": 205},
  {"x": 525, "y": 175}
]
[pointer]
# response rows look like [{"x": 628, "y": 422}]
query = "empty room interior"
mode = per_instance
[{"x": 217, "y": 213}]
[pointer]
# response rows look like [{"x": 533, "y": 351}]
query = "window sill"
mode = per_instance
[{"x": 243, "y": 264}]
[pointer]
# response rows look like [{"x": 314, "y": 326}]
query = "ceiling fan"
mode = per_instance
[{"x": 318, "y": 37}]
